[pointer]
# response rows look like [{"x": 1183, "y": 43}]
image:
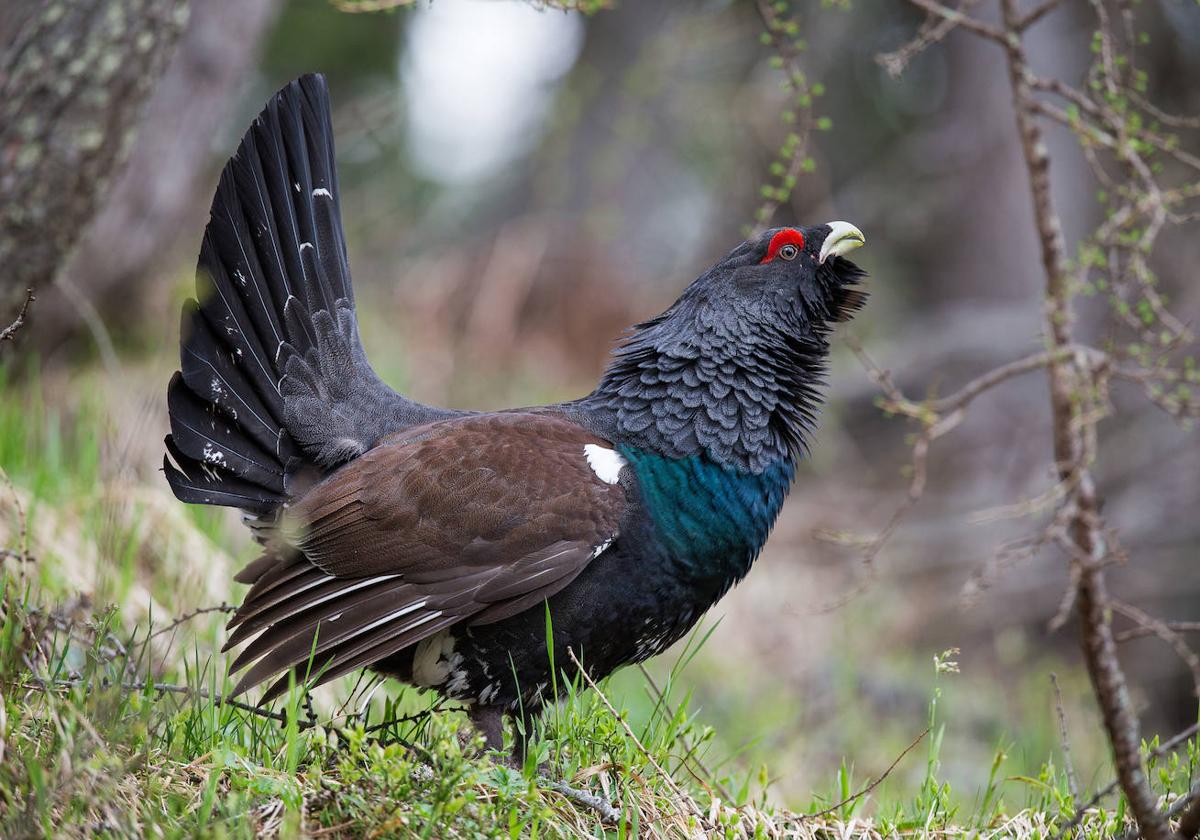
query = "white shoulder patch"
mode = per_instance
[{"x": 605, "y": 463}]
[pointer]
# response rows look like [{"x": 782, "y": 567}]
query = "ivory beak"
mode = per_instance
[{"x": 843, "y": 238}]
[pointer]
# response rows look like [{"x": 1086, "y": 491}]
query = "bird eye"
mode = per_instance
[{"x": 789, "y": 252}]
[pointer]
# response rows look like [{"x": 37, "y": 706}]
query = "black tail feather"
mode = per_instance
[
  {"x": 203, "y": 484},
  {"x": 274, "y": 379},
  {"x": 215, "y": 373},
  {"x": 204, "y": 433}
]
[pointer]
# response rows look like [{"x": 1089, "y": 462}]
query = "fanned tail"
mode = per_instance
[{"x": 274, "y": 381}]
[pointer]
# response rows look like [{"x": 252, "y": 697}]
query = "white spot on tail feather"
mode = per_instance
[
  {"x": 214, "y": 456},
  {"x": 605, "y": 463},
  {"x": 322, "y": 191},
  {"x": 304, "y": 245}
]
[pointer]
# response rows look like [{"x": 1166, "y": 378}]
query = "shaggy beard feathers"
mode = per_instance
[{"x": 745, "y": 391}]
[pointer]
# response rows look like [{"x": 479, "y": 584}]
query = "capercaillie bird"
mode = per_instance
[{"x": 427, "y": 544}]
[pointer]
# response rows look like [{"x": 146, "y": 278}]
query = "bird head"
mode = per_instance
[
  {"x": 734, "y": 368},
  {"x": 797, "y": 276},
  {"x": 786, "y": 285}
]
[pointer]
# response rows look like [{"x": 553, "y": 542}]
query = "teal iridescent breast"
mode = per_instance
[{"x": 711, "y": 519}]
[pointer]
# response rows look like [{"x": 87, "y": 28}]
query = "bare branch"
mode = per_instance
[
  {"x": 224, "y": 608},
  {"x": 10, "y": 332},
  {"x": 957, "y": 18},
  {"x": 1037, "y": 13},
  {"x": 40, "y": 684},
  {"x": 1072, "y": 440},
  {"x": 1141, "y": 631},
  {"x": 1173, "y": 120},
  {"x": 1164, "y": 631},
  {"x": 933, "y": 30},
  {"x": 962, "y": 397}
]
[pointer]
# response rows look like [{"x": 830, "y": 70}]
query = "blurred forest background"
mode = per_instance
[{"x": 519, "y": 185}]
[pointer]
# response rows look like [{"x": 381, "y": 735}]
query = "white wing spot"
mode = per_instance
[{"x": 605, "y": 463}]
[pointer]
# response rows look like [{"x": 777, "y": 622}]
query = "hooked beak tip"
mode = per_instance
[{"x": 842, "y": 239}]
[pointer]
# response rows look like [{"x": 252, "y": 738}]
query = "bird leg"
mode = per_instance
[{"x": 489, "y": 720}]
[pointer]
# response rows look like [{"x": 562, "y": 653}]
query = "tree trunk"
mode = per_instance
[
  {"x": 73, "y": 75},
  {"x": 160, "y": 200}
]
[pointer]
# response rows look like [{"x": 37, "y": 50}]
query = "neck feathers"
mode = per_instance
[{"x": 740, "y": 389}]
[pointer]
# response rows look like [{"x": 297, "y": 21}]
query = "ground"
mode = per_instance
[{"x": 110, "y": 724}]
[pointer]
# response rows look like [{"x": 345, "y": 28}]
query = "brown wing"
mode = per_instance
[{"x": 468, "y": 520}]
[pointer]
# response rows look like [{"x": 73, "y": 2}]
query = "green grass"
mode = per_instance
[{"x": 93, "y": 746}]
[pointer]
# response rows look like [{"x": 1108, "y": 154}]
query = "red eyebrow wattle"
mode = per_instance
[{"x": 787, "y": 236}]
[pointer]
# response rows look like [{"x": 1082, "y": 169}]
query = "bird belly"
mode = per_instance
[{"x": 621, "y": 610}]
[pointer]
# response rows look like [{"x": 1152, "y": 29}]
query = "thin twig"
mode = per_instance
[
  {"x": 675, "y": 789},
  {"x": 225, "y": 608},
  {"x": 797, "y": 152},
  {"x": 412, "y": 718},
  {"x": 1164, "y": 632},
  {"x": 874, "y": 783},
  {"x": 40, "y": 684},
  {"x": 1065, "y": 742},
  {"x": 689, "y": 749},
  {"x": 956, "y": 17},
  {"x": 1140, "y": 631},
  {"x": 21, "y": 554},
  {"x": 931, "y": 32},
  {"x": 10, "y": 332},
  {"x": 1037, "y": 13}
]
